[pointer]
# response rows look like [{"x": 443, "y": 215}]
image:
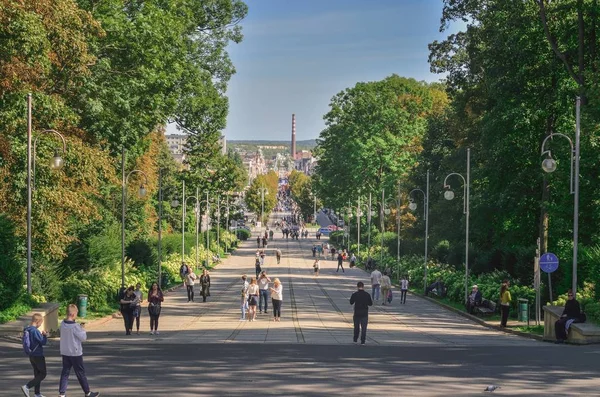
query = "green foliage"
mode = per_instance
[
  {"x": 372, "y": 137},
  {"x": 19, "y": 307},
  {"x": 262, "y": 187},
  {"x": 243, "y": 234},
  {"x": 301, "y": 187},
  {"x": 11, "y": 267}
]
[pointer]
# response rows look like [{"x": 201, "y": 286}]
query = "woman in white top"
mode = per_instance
[
  {"x": 252, "y": 299},
  {"x": 276, "y": 299}
]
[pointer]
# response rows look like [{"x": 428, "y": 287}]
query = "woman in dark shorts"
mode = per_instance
[{"x": 252, "y": 299}]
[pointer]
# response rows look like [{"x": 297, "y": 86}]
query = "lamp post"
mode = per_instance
[
  {"x": 207, "y": 226},
  {"x": 56, "y": 163},
  {"x": 263, "y": 191},
  {"x": 226, "y": 209},
  {"x": 449, "y": 195},
  {"x": 359, "y": 213},
  {"x": 386, "y": 211},
  {"x": 549, "y": 165},
  {"x": 142, "y": 193},
  {"x": 413, "y": 206}
]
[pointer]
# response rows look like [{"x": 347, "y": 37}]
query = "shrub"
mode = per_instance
[
  {"x": 243, "y": 234},
  {"x": 11, "y": 268}
]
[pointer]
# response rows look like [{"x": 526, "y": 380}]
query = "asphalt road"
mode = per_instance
[
  {"x": 417, "y": 349},
  {"x": 317, "y": 370}
]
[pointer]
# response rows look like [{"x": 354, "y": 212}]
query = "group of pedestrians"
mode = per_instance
[
  {"x": 130, "y": 302},
  {"x": 256, "y": 293},
  {"x": 72, "y": 335}
]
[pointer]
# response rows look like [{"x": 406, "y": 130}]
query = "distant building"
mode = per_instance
[
  {"x": 304, "y": 162},
  {"x": 177, "y": 142}
]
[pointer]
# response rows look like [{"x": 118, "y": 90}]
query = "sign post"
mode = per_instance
[
  {"x": 536, "y": 283},
  {"x": 549, "y": 264}
]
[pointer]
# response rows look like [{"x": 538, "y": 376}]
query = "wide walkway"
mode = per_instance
[{"x": 316, "y": 310}]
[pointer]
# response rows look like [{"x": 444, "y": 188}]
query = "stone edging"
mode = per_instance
[{"x": 478, "y": 320}]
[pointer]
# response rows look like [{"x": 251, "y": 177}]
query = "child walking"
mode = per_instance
[
  {"x": 71, "y": 336},
  {"x": 33, "y": 344}
]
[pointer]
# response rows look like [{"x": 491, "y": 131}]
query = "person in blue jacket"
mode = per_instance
[{"x": 35, "y": 344}]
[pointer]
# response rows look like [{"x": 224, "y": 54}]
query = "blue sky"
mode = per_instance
[{"x": 297, "y": 54}]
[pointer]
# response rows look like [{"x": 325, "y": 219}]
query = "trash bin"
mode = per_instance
[
  {"x": 82, "y": 302},
  {"x": 523, "y": 310}
]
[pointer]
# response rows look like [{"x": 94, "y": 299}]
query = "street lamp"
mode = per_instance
[
  {"x": 413, "y": 206},
  {"x": 359, "y": 213},
  {"x": 56, "y": 163},
  {"x": 183, "y": 216},
  {"x": 141, "y": 192},
  {"x": 449, "y": 195},
  {"x": 219, "y": 208},
  {"x": 386, "y": 211},
  {"x": 263, "y": 191},
  {"x": 207, "y": 226},
  {"x": 549, "y": 165}
]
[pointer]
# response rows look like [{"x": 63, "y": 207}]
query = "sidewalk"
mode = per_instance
[{"x": 315, "y": 310}]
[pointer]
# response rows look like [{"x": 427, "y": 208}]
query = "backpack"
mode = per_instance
[{"x": 27, "y": 343}]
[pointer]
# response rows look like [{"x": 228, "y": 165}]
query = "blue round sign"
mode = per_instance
[{"x": 548, "y": 262}]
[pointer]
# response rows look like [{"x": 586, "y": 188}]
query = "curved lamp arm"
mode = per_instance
[
  {"x": 64, "y": 150},
  {"x": 424, "y": 198},
  {"x": 549, "y": 153},
  {"x": 446, "y": 186}
]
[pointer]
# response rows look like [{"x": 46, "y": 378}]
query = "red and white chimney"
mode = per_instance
[{"x": 293, "y": 136}]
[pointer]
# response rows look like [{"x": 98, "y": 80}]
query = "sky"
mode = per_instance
[{"x": 297, "y": 54}]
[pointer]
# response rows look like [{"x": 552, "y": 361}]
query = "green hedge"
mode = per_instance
[{"x": 11, "y": 267}]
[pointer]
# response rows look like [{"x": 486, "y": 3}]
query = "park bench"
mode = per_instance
[
  {"x": 579, "y": 333},
  {"x": 487, "y": 307}
]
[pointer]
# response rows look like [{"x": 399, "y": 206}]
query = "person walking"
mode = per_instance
[
  {"x": 137, "y": 311},
  {"x": 184, "y": 269},
  {"x": 352, "y": 261},
  {"x": 244, "y": 303},
  {"x": 376, "y": 284},
  {"x": 263, "y": 288},
  {"x": 155, "y": 299},
  {"x": 190, "y": 280},
  {"x": 386, "y": 287},
  {"x": 403, "y": 289},
  {"x": 128, "y": 303},
  {"x": 72, "y": 335},
  {"x": 35, "y": 342},
  {"x": 340, "y": 259},
  {"x": 205, "y": 285},
  {"x": 252, "y": 299},
  {"x": 361, "y": 301},
  {"x": 258, "y": 242},
  {"x": 316, "y": 267},
  {"x": 278, "y": 255},
  {"x": 257, "y": 267},
  {"x": 505, "y": 300},
  {"x": 276, "y": 299}
]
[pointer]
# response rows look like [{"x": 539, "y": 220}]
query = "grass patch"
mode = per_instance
[
  {"x": 531, "y": 329},
  {"x": 21, "y": 306}
]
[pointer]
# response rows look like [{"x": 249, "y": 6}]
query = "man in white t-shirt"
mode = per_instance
[{"x": 376, "y": 284}]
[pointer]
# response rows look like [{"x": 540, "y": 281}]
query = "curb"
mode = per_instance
[{"x": 478, "y": 320}]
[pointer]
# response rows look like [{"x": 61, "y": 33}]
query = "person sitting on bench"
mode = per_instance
[
  {"x": 474, "y": 299},
  {"x": 571, "y": 314},
  {"x": 438, "y": 286}
]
